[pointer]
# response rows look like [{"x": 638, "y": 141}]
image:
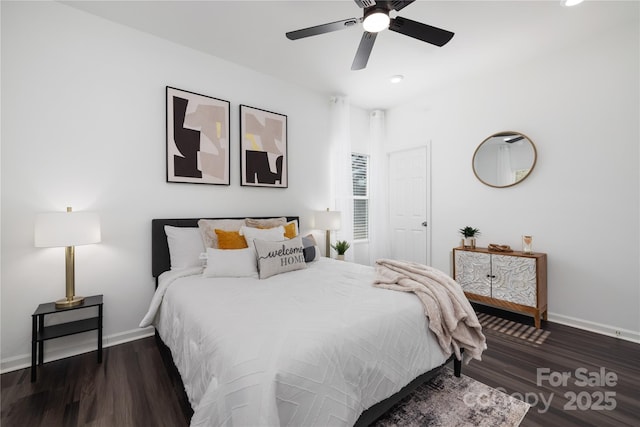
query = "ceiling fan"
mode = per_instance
[{"x": 375, "y": 19}]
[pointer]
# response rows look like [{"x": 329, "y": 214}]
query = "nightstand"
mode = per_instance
[{"x": 41, "y": 333}]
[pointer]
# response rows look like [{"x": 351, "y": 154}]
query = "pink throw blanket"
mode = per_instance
[{"x": 450, "y": 314}]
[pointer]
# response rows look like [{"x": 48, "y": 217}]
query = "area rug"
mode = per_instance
[
  {"x": 447, "y": 401},
  {"x": 523, "y": 333}
]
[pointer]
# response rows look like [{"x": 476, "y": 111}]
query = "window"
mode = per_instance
[{"x": 360, "y": 174}]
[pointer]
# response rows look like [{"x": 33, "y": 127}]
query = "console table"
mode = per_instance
[{"x": 515, "y": 281}]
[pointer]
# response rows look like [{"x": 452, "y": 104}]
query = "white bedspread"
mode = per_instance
[{"x": 312, "y": 347}]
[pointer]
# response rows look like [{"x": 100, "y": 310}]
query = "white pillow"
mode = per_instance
[
  {"x": 274, "y": 234},
  {"x": 279, "y": 257},
  {"x": 231, "y": 263},
  {"x": 185, "y": 246}
]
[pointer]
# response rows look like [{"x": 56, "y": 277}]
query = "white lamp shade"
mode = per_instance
[
  {"x": 328, "y": 220},
  {"x": 56, "y": 229}
]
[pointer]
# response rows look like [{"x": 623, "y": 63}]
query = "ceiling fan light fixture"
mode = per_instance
[{"x": 376, "y": 20}]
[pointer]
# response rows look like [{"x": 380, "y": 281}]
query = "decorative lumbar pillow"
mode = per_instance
[
  {"x": 265, "y": 223},
  {"x": 208, "y": 226},
  {"x": 230, "y": 240},
  {"x": 311, "y": 248},
  {"x": 279, "y": 257},
  {"x": 231, "y": 263},
  {"x": 185, "y": 246},
  {"x": 270, "y": 234}
]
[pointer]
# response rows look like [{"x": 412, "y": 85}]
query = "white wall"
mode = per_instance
[
  {"x": 83, "y": 114},
  {"x": 580, "y": 106},
  {"x": 359, "y": 126}
]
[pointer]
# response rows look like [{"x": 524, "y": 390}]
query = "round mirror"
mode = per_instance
[{"x": 504, "y": 159}]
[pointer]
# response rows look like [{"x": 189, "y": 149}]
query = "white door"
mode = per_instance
[{"x": 409, "y": 205}]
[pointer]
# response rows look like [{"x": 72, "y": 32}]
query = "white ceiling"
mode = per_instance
[{"x": 488, "y": 34}]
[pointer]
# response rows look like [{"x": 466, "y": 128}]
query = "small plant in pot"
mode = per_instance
[
  {"x": 469, "y": 234},
  {"x": 341, "y": 247}
]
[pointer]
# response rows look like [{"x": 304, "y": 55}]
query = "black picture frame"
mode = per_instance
[
  {"x": 263, "y": 148},
  {"x": 198, "y": 140}
]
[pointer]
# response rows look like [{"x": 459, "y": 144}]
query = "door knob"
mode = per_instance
[{"x": 424, "y": 223}]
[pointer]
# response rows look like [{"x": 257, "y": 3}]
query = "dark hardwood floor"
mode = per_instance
[
  {"x": 133, "y": 387},
  {"x": 533, "y": 373}
]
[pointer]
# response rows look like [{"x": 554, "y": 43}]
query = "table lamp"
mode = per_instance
[
  {"x": 328, "y": 220},
  {"x": 68, "y": 229}
]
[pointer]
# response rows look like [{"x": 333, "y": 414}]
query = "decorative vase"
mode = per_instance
[
  {"x": 340, "y": 257},
  {"x": 470, "y": 242},
  {"x": 527, "y": 244}
]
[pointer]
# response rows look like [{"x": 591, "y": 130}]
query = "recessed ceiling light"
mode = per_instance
[
  {"x": 397, "y": 78},
  {"x": 569, "y": 3}
]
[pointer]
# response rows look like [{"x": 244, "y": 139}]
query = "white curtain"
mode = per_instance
[
  {"x": 341, "y": 176},
  {"x": 505, "y": 173},
  {"x": 379, "y": 236}
]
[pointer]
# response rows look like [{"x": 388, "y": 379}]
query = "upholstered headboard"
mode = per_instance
[{"x": 160, "y": 260}]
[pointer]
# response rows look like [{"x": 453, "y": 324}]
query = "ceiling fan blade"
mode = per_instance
[
  {"x": 364, "y": 50},
  {"x": 514, "y": 139},
  {"x": 420, "y": 31},
  {"x": 398, "y": 5},
  {"x": 365, "y": 3},
  {"x": 321, "y": 29}
]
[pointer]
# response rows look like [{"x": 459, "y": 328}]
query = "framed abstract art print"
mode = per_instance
[
  {"x": 197, "y": 138},
  {"x": 263, "y": 148}
]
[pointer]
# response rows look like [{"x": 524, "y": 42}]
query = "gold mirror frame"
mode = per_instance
[{"x": 527, "y": 154}]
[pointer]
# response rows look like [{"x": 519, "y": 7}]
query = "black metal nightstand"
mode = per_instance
[{"x": 41, "y": 333}]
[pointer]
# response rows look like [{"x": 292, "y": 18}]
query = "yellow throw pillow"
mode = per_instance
[
  {"x": 208, "y": 229},
  {"x": 290, "y": 230},
  {"x": 230, "y": 240}
]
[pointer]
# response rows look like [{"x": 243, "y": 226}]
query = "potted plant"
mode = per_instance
[
  {"x": 341, "y": 247},
  {"x": 469, "y": 234}
]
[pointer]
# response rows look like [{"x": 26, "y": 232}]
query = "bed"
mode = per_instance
[{"x": 317, "y": 345}]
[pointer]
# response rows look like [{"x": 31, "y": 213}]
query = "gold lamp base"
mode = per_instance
[
  {"x": 71, "y": 299},
  {"x": 69, "y": 302}
]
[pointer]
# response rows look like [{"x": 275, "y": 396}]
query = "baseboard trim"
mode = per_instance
[
  {"x": 89, "y": 344},
  {"x": 599, "y": 328},
  {"x": 86, "y": 345}
]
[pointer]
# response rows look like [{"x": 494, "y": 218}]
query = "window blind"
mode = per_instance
[{"x": 360, "y": 175}]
